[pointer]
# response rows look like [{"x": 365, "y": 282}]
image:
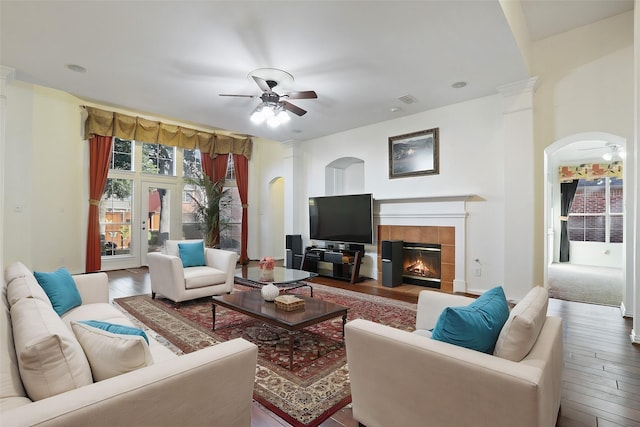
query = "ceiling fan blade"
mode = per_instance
[
  {"x": 305, "y": 94},
  {"x": 241, "y": 96},
  {"x": 293, "y": 108},
  {"x": 262, "y": 84}
]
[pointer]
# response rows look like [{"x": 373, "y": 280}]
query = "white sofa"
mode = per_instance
[
  {"x": 401, "y": 378},
  {"x": 173, "y": 281},
  {"x": 211, "y": 387}
]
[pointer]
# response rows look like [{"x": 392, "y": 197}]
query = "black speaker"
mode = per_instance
[
  {"x": 294, "y": 242},
  {"x": 391, "y": 263},
  {"x": 294, "y": 250}
]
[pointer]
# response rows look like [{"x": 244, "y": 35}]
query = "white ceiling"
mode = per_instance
[{"x": 173, "y": 58}]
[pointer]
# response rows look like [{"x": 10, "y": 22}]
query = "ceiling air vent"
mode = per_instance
[{"x": 408, "y": 99}]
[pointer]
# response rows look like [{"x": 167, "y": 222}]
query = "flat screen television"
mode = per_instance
[{"x": 347, "y": 219}]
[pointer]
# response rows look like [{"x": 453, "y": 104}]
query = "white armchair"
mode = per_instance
[
  {"x": 401, "y": 378},
  {"x": 177, "y": 283}
]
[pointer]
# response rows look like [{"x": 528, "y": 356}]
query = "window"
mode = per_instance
[
  {"x": 136, "y": 165},
  {"x": 191, "y": 163},
  {"x": 115, "y": 217},
  {"x": 158, "y": 159},
  {"x": 121, "y": 154},
  {"x": 597, "y": 211},
  {"x": 231, "y": 211},
  {"x": 191, "y": 170}
]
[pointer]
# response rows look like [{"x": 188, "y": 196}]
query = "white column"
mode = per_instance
[
  {"x": 634, "y": 247},
  {"x": 6, "y": 75},
  {"x": 292, "y": 188},
  {"x": 519, "y": 188}
]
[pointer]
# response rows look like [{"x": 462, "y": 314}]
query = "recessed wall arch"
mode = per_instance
[{"x": 344, "y": 176}]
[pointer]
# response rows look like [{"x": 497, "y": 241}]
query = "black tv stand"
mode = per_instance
[{"x": 341, "y": 264}]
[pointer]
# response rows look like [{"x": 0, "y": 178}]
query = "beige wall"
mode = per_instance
[
  {"x": 585, "y": 79},
  {"x": 585, "y": 85},
  {"x": 45, "y": 179}
]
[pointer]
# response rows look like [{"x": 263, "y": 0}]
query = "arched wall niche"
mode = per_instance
[{"x": 344, "y": 176}]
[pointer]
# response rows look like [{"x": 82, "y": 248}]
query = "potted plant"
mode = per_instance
[{"x": 209, "y": 199}]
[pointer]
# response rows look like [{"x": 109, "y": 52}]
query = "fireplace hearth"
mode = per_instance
[{"x": 421, "y": 264}]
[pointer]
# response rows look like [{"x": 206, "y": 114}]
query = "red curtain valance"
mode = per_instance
[{"x": 109, "y": 123}]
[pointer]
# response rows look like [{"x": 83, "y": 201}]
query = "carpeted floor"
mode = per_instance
[
  {"x": 318, "y": 385},
  {"x": 582, "y": 283}
]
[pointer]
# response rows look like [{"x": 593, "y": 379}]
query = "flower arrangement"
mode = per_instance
[{"x": 267, "y": 263}]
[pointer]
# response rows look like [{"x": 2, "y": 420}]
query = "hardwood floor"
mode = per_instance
[{"x": 601, "y": 385}]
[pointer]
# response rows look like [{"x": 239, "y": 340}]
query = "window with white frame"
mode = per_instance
[{"x": 596, "y": 213}]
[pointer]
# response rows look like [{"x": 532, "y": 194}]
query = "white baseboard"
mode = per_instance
[{"x": 623, "y": 309}]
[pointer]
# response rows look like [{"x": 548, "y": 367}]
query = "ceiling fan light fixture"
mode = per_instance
[
  {"x": 284, "y": 117},
  {"x": 257, "y": 116}
]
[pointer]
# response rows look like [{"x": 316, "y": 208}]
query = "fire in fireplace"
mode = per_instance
[{"x": 421, "y": 264}]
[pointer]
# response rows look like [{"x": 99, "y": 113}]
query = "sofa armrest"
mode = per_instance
[
  {"x": 93, "y": 287},
  {"x": 166, "y": 275},
  {"x": 400, "y": 378},
  {"x": 222, "y": 260},
  {"x": 431, "y": 304},
  {"x": 212, "y": 387}
]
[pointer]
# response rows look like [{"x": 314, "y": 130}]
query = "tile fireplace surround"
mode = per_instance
[
  {"x": 439, "y": 220},
  {"x": 444, "y": 236}
]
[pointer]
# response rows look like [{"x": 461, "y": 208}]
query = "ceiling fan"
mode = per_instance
[
  {"x": 612, "y": 149},
  {"x": 274, "y": 106}
]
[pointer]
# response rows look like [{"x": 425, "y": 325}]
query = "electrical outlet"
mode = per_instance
[{"x": 478, "y": 272}]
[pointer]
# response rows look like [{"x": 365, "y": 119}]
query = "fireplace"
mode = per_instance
[{"x": 421, "y": 264}]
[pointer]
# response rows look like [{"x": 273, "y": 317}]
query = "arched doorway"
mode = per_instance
[{"x": 594, "y": 273}]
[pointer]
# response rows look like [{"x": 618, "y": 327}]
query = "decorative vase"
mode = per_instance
[{"x": 270, "y": 292}]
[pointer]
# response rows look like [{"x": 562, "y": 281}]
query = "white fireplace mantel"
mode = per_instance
[{"x": 438, "y": 211}]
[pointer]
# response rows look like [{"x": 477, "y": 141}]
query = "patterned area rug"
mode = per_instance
[{"x": 318, "y": 384}]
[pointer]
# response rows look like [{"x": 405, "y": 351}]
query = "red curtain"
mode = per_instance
[
  {"x": 242, "y": 179},
  {"x": 207, "y": 165},
  {"x": 220, "y": 167},
  {"x": 99, "y": 156},
  {"x": 215, "y": 169}
]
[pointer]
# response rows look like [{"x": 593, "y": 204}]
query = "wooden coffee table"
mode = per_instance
[{"x": 253, "y": 305}]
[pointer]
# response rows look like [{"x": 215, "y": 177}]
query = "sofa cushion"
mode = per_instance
[
  {"x": 26, "y": 287},
  {"x": 520, "y": 332},
  {"x": 475, "y": 326},
  {"x": 112, "y": 353},
  {"x": 60, "y": 288},
  {"x": 171, "y": 246},
  {"x": 191, "y": 254},
  {"x": 16, "y": 269},
  {"x": 198, "y": 277},
  {"x": 50, "y": 359},
  {"x": 115, "y": 328}
]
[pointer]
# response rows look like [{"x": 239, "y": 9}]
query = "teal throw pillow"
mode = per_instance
[
  {"x": 475, "y": 326},
  {"x": 192, "y": 254},
  {"x": 60, "y": 288},
  {"x": 115, "y": 328}
]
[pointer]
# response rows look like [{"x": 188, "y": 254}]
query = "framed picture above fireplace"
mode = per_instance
[{"x": 414, "y": 154}]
